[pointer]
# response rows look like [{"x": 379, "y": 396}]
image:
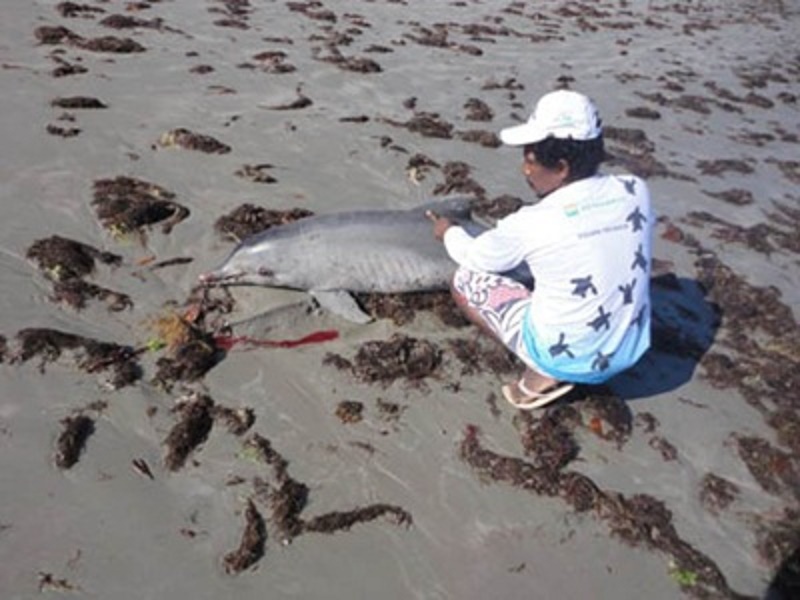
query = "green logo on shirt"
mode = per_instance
[{"x": 571, "y": 210}]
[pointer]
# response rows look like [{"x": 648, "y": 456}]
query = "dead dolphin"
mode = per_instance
[{"x": 330, "y": 255}]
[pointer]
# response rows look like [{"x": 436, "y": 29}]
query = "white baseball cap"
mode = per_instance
[{"x": 562, "y": 114}]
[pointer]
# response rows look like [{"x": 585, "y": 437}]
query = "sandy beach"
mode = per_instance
[{"x": 380, "y": 460}]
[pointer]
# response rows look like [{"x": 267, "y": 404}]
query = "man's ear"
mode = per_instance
[{"x": 563, "y": 169}]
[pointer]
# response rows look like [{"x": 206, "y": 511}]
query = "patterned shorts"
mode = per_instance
[{"x": 501, "y": 303}]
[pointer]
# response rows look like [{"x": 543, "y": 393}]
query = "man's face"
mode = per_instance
[{"x": 543, "y": 180}]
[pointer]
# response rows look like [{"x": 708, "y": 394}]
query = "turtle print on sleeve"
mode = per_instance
[
  {"x": 630, "y": 185},
  {"x": 583, "y": 285},
  {"x": 627, "y": 291},
  {"x": 637, "y": 219},
  {"x": 602, "y": 361},
  {"x": 639, "y": 317},
  {"x": 639, "y": 260},
  {"x": 602, "y": 320},
  {"x": 560, "y": 348}
]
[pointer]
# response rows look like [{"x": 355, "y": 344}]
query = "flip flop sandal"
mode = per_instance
[{"x": 524, "y": 399}]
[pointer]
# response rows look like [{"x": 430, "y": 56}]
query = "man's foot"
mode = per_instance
[{"x": 534, "y": 391}]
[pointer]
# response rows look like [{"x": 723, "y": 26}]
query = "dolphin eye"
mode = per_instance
[{"x": 264, "y": 272}]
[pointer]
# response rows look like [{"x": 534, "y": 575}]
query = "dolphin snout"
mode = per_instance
[
  {"x": 209, "y": 278},
  {"x": 220, "y": 277}
]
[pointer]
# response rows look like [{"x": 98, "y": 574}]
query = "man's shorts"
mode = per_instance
[{"x": 502, "y": 304}]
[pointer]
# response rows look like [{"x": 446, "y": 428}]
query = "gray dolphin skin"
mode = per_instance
[{"x": 332, "y": 254}]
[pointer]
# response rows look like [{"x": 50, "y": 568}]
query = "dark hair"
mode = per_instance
[{"x": 582, "y": 156}]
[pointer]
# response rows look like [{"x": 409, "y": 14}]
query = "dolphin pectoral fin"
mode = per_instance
[
  {"x": 341, "y": 303},
  {"x": 282, "y": 321}
]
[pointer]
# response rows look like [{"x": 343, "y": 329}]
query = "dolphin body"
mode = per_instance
[{"x": 331, "y": 255}]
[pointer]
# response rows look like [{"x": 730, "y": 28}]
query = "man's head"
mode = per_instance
[{"x": 562, "y": 141}]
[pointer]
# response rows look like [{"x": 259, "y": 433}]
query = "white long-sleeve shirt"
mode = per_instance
[{"x": 588, "y": 246}]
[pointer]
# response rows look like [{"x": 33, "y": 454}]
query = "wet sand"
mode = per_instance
[{"x": 680, "y": 479}]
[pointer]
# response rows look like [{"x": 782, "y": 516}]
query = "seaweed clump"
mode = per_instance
[
  {"x": 760, "y": 237},
  {"x": 72, "y": 9},
  {"x": 62, "y": 259},
  {"x": 236, "y": 420},
  {"x": 117, "y": 21},
  {"x": 402, "y": 308},
  {"x": 251, "y": 547},
  {"x": 75, "y": 102},
  {"x": 66, "y": 262},
  {"x": 608, "y": 416},
  {"x": 274, "y": 61},
  {"x": 458, "y": 180},
  {"x": 401, "y": 357},
  {"x": 126, "y": 205},
  {"x": 188, "y": 140},
  {"x": 493, "y": 467},
  {"x": 196, "y": 420},
  {"x": 110, "y": 43},
  {"x": 338, "y": 521},
  {"x": 247, "y": 220},
  {"x": 633, "y": 150},
  {"x": 287, "y": 498},
  {"x": 496, "y": 208},
  {"x": 774, "y": 469},
  {"x": 639, "y": 520},
  {"x": 350, "y": 411},
  {"x": 481, "y": 355},
  {"x": 759, "y": 357},
  {"x": 256, "y": 173},
  {"x": 426, "y": 124},
  {"x": 354, "y": 64},
  {"x": 52, "y": 35},
  {"x": 549, "y": 443},
  {"x": 717, "y": 493},
  {"x": 76, "y": 293},
  {"x": 91, "y": 355},
  {"x": 72, "y": 440},
  {"x": 192, "y": 352}
]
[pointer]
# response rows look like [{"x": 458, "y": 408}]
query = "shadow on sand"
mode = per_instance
[
  {"x": 683, "y": 329},
  {"x": 786, "y": 583}
]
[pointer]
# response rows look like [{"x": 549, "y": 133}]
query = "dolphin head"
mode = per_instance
[{"x": 247, "y": 265}]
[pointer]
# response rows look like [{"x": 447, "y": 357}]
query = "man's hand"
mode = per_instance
[{"x": 440, "y": 224}]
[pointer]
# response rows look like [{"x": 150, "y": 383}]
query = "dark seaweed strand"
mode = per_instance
[
  {"x": 338, "y": 520},
  {"x": 289, "y": 498},
  {"x": 62, "y": 258},
  {"x": 191, "y": 431},
  {"x": 47, "y": 343},
  {"x": 97, "y": 356},
  {"x": 637, "y": 520},
  {"x": 286, "y": 503},
  {"x": 127, "y": 204},
  {"x": 72, "y": 440},
  {"x": 268, "y": 454},
  {"x": 251, "y": 547},
  {"x": 190, "y": 360},
  {"x": 767, "y": 376}
]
